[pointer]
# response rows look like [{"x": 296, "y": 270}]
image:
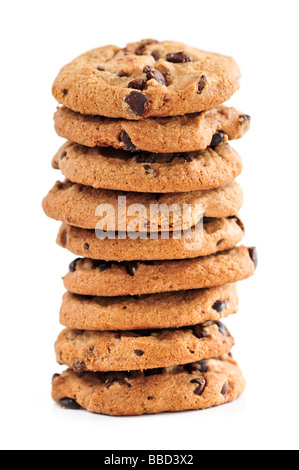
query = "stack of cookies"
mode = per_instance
[{"x": 150, "y": 206}]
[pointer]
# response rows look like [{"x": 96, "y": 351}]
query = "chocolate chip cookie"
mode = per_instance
[
  {"x": 108, "y": 168},
  {"x": 156, "y": 311},
  {"x": 78, "y": 205},
  {"x": 99, "y": 278},
  {"x": 157, "y": 135},
  {"x": 140, "y": 350},
  {"x": 213, "y": 236},
  {"x": 197, "y": 386},
  {"x": 144, "y": 79}
]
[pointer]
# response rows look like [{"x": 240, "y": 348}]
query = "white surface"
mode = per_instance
[{"x": 37, "y": 39}]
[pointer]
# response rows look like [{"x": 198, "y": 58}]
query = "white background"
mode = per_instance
[{"x": 37, "y": 38}]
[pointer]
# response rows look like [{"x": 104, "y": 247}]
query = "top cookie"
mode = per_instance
[{"x": 148, "y": 78}]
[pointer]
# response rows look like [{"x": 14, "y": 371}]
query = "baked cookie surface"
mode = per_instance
[
  {"x": 108, "y": 168},
  {"x": 168, "y": 310},
  {"x": 99, "y": 278},
  {"x": 140, "y": 350},
  {"x": 197, "y": 386},
  {"x": 187, "y": 133},
  {"x": 214, "y": 235},
  {"x": 144, "y": 79},
  {"x": 77, "y": 205}
]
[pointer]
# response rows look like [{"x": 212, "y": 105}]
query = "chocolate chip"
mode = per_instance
[
  {"x": 145, "y": 157},
  {"x": 245, "y": 118},
  {"x": 123, "y": 74},
  {"x": 69, "y": 404},
  {"x": 86, "y": 246},
  {"x": 201, "y": 386},
  {"x": 203, "y": 366},
  {"x": 79, "y": 366},
  {"x": 138, "y": 103},
  {"x": 240, "y": 223},
  {"x": 89, "y": 351},
  {"x": 217, "y": 139},
  {"x": 132, "y": 268},
  {"x": 178, "y": 57},
  {"x": 63, "y": 238},
  {"x": 100, "y": 69},
  {"x": 190, "y": 368},
  {"x": 112, "y": 382},
  {"x": 138, "y": 353},
  {"x": 64, "y": 92},
  {"x": 202, "y": 84},
  {"x": 125, "y": 139},
  {"x": 225, "y": 389},
  {"x": 55, "y": 376},
  {"x": 63, "y": 155},
  {"x": 253, "y": 256},
  {"x": 73, "y": 265},
  {"x": 104, "y": 265},
  {"x": 60, "y": 186},
  {"x": 150, "y": 398},
  {"x": 194, "y": 367},
  {"x": 156, "y": 55},
  {"x": 138, "y": 84},
  {"x": 222, "y": 328},
  {"x": 220, "y": 242},
  {"x": 220, "y": 305},
  {"x": 199, "y": 332},
  {"x": 186, "y": 156},
  {"x": 152, "y": 73},
  {"x": 149, "y": 171},
  {"x": 142, "y": 48}
]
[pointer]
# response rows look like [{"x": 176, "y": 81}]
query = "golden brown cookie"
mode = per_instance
[
  {"x": 77, "y": 205},
  {"x": 140, "y": 350},
  {"x": 108, "y": 168},
  {"x": 158, "y": 135},
  {"x": 167, "y": 310},
  {"x": 197, "y": 386},
  {"x": 99, "y": 278},
  {"x": 146, "y": 79},
  {"x": 214, "y": 235}
]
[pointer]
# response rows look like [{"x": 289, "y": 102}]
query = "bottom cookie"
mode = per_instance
[{"x": 196, "y": 386}]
